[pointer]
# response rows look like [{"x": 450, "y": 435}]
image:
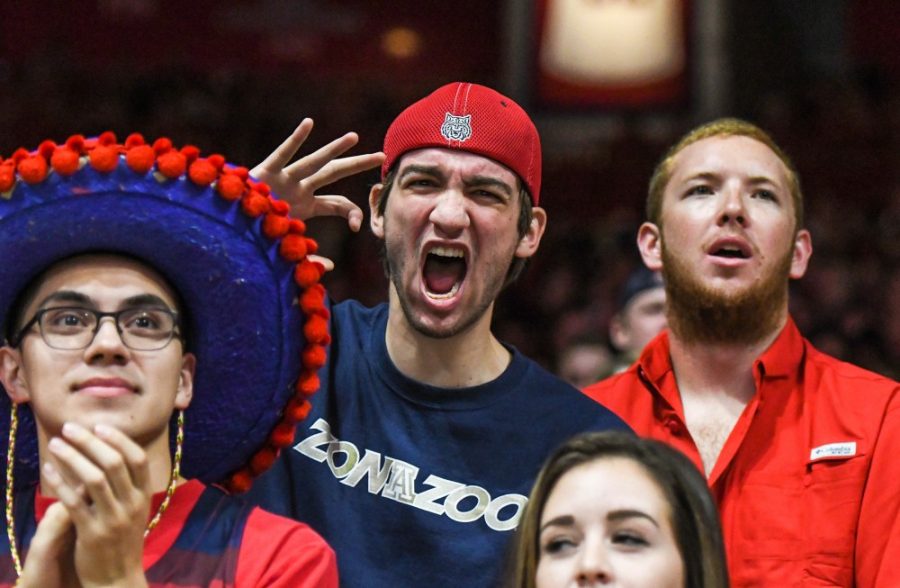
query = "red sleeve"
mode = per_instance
[
  {"x": 878, "y": 535},
  {"x": 279, "y": 552}
]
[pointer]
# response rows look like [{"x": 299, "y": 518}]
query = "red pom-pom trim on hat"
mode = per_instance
[
  {"x": 312, "y": 301},
  {"x": 7, "y": 177},
  {"x": 190, "y": 153},
  {"x": 104, "y": 158},
  {"x": 314, "y": 356},
  {"x": 76, "y": 143},
  {"x": 308, "y": 383},
  {"x": 65, "y": 161},
  {"x": 298, "y": 227},
  {"x": 279, "y": 207},
  {"x": 140, "y": 158},
  {"x": 230, "y": 186},
  {"x": 316, "y": 330},
  {"x": 241, "y": 172},
  {"x": 254, "y": 204},
  {"x": 240, "y": 481},
  {"x": 46, "y": 149},
  {"x": 261, "y": 187},
  {"x": 171, "y": 164},
  {"x": 297, "y": 410},
  {"x": 275, "y": 226},
  {"x": 162, "y": 145},
  {"x": 308, "y": 273},
  {"x": 18, "y": 155},
  {"x": 293, "y": 247},
  {"x": 217, "y": 161},
  {"x": 282, "y": 435},
  {"x": 33, "y": 169},
  {"x": 107, "y": 139},
  {"x": 202, "y": 172},
  {"x": 263, "y": 460},
  {"x": 134, "y": 140}
]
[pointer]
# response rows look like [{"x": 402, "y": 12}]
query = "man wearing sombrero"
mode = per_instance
[
  {"x": 163, "y": 326},
  {"x": 428, "y": 432}
]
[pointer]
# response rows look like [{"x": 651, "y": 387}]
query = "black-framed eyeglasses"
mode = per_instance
[{"x": 71, "y": 328}]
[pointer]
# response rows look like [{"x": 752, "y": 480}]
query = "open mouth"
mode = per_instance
[
  {"x": 730, "y": 252},
  {"x": 444, "y": 271}
]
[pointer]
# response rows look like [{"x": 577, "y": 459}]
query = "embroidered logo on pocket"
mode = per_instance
[{"x": 831, "y": 450}]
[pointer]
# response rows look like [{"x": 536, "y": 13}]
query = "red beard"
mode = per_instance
[{"x": 700, "y": 314}]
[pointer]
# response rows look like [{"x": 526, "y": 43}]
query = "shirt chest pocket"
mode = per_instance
[
  {"x": 806, "y": 522},
  {"x": 833, "y": 492}
]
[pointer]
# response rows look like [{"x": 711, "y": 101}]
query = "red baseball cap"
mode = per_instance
[{"x": 472, "y": 118}]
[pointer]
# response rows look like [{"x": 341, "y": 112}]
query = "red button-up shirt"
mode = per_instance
[{"x": 808, "y": 482}]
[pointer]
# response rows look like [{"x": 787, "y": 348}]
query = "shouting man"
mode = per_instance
[{"x": 429, "y": 431}]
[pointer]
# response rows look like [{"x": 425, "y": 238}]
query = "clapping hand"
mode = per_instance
[{"x": 102, "y": 481}]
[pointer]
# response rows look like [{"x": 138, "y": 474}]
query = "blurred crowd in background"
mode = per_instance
[{"x": 843, "y": 134}]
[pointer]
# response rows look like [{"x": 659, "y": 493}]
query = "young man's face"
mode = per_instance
[
  {"x": 450, "y": 231},
  {"x": 728, "y": 226},
  {"x": 106, "y": 382}
]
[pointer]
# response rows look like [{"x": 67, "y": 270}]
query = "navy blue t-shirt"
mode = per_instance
[{"x": 414, "y": 485}]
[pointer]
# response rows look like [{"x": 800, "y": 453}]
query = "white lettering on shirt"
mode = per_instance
[{"x": 396, "y": 480}]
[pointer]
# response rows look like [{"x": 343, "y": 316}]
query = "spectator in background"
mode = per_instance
[
  {"x": 641, "y": 315},
  {"x": 584, "y": 361},
  {"x": 612, "y": 509}
]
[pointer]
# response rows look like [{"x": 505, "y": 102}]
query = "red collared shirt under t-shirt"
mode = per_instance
[
  {"x": 207, "y": 538},
  {"x": 808, "y": 482}
]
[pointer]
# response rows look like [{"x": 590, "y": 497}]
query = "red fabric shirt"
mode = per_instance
[
  {"x": 275, "y": 552},
  {"x": 808, "y": 482}
]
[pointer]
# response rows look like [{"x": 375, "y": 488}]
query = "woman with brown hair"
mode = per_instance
[{"x": 609, "y": 508}]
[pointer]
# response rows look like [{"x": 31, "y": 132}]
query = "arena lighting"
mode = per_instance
[
  {"x": 613, "y": 42},
  {"x": 401, "y": 43}
]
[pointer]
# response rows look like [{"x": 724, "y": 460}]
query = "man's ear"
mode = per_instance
[
  {"x": 376, "y": 220},
  {"x": 649, "y": 242},
  {"x": 185, "y": 390},
  {"x": 802, "y": 251},
  {"x": 529, "y": 242},
  {"x": 13, "y": 376}
]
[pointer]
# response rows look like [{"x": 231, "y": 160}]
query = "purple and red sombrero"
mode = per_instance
[{"x": 258, "y": 323}]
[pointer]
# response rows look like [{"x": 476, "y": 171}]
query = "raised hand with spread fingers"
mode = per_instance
[{"x": 297, "y": 182}]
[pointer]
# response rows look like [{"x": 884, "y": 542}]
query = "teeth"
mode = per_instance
[
  {"x": 447, "y": 252},
  {"x": 449, "y": 294}
]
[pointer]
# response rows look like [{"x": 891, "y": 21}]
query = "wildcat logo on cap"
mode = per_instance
[
  {"x": 443, "y": 120},
  {"x": 457, "y": 128}
]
